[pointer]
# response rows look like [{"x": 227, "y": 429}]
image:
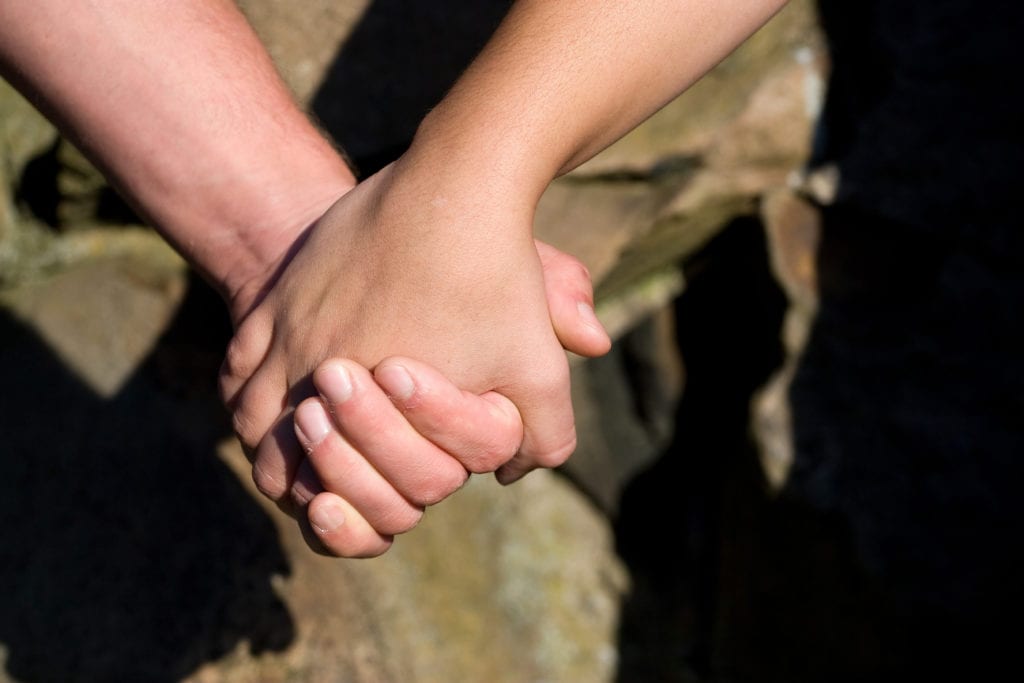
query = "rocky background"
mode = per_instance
[{"x": 684, "y": 541}]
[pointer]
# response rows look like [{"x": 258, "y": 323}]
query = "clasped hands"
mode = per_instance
[{"x": 415, "y": 335}]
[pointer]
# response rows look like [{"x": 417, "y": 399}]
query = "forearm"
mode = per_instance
[
  {"x": 180, "y": 106},
  {"x": 560, "y": 81}
]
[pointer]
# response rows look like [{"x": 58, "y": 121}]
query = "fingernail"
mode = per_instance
[
  {"x": 311, "y": 423},
  {"x": 586, "y": 312},
  {"x": 396, "y": 381},
  {"x": 506, "y": 475},
  {"x": 335, "y": 383},
  {"x": 327, "y": 517}
]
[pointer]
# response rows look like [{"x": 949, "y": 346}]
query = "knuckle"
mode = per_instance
[
  {"x": 245, "y": 429},
  {"x": 557, "y": 456},
  {"x": 571, "y": 271},
  {"x": 244, "y": 436},
  {"x": 267, "y": 484},
  {"x": 491, "y": 457},
  {"x": 236, "y": 363},
  {"x": 439, "y": 486},
  {"x": 399, "y": 522},
  {"x": 579, "y": 270},
  {"x": 245, "y": 350},
  {"x": 550, "y": 385}
]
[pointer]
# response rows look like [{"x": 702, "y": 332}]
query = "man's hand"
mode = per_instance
[
  {"x": 408, "y": 263},
  {"x": 371, "y": 459}
]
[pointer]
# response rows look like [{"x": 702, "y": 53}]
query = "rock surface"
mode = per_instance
[
  {"x": 511, "y": 585},
  {"x": 137, "y": 548}
]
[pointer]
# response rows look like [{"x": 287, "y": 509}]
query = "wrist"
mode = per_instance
[
  {"x": 464, "y": 153},
  {"x": 259, "y": 230}
]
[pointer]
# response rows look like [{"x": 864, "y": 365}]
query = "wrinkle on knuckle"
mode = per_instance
[
  {"x": 438, "y": 487},
  {"x": 557, "y": 456},
  {"x": 267, "y": 484},
  {"x": 400, "y": 522},
  {"x": 491, "y": 456},
  {"x": 578, "y": 271},
  {"x": 246, "y": 349},
  {"x": 242, "y": 424}
]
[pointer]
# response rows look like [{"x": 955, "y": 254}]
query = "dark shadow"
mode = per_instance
[
  {"x": 674, "y": 517},
  {"x": 893, "y": 550},
  {"x": 909, "y": 399},
  {"x": 375, "y": 95},
  {"x": 39, "y": 192},
  {"x": 37, "y": 187},
  {"x": 130, "y": 552}
]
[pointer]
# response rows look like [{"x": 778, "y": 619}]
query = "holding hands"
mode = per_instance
[
  {"x": 431, "y": 259},
  {"x": 407, "y": 264}
]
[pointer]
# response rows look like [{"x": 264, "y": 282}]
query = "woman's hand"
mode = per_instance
[{"x": 410, "y": 264}]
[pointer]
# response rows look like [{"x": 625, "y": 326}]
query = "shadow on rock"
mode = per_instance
[
  {"x": 893, "y": 549},
  {"x": 676, "y": 516},
  {"x": 130, "y": 552},
  {"x": 374, "y": 95}
]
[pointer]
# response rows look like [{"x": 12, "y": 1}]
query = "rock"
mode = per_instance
[
  {"x": 24, "y": 133},
  {"x": 102, "y": 316},
  {"x": 303, "y": 43},
  {"x": 793, "y": 228},
  {"x": 625, "y": 407},
  {"x": 703, "y": 160},
  {"x": 778, "y": 69},
  {"x": 343, "y": 62},
  {"x": 130, "y": 552},
  {"x": 81, "y": 188},
  {"x": 509, "y": 584},
  {"x": 7, "y": 214}
]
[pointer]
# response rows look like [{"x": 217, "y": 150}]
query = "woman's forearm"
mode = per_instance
[
  {"x": 180, "y": 106},
  {"x": 560, "y": 81}
]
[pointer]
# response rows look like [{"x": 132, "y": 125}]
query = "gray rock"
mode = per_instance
[
  {"x": 102, "y": 317},
  {"x": 516, "y": 584}
]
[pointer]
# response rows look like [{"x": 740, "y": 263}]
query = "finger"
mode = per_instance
[
  {"x": 481, "y": 432},
  {"x": 342, "y": 531},
  {"x": 243, "y": 356},
  {"x": 374, "y": 428},
  {"x": 305, "y": 485},
  {"x": 276, "y": 459},
  {"x": 570, "y": 297},
  {"x": 549, "y": 428},
  {"x": 266, "y": 412},
  {"x": 256, "y": 411},
  {"x": 342, "y": 470}
]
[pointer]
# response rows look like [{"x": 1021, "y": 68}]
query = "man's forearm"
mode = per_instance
[
  {"x": 560, "y": 81},
  {"x": 179, "y": 104}
]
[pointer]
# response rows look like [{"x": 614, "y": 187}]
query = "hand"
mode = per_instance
[
  {"x": 376, "y": 461},
  {"x": 406, "y": 263},
  {"x": 374, "y": 471}
]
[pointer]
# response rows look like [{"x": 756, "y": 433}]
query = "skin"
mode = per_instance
[
  {"x": 430, "y": 259},
  {"x": 453, "y": 432},
  {"x": 180, "y": 106},
  {"x": 558, "y": 82}
]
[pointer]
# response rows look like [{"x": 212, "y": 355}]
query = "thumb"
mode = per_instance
[{"x": 570, "y": 297}]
